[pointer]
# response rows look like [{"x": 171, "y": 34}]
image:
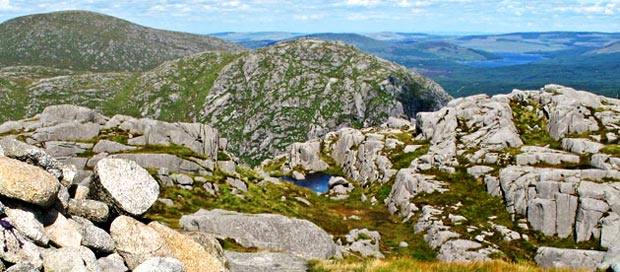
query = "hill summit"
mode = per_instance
[{"x": 88, "y": 41}]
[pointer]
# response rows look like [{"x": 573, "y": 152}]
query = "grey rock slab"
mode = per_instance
[
  {"x": 549, "y": 257},
  {"x": 228, "y": 167},
  {"x": 63, "y": 259},
  {"x": 63, "y": 232},
  {"x": 160, "y": 264},
  {"x": 581, "y": 146},
  {"x": 610, "y": 230},
  {"x": 407, "y": 185},
  {"x": 32, "y": 155},
  {"x": 22, "y": 267},
  {"x": 164, "y": 176},
  {"x": 479, "y": 170},
  {"x": 237, "y": 183},
  {"x": 67, "y": 132},
  {"x": 566, "y": 212},
  {"x": 265, "y": 262},
  {"x": 26, "y": 252},
  {"x": 182, "y": 179},
  {"x": 60, "y": 149},
  {"x": 124, "y": 185},
  {"x": 57, "y": 114},
  {"x": 264, "y": 231},
  {"x": 136, "y": 242},
  {"x": 28, "y": 183},
  {"x": 111, "y": 147},
  {"x": 156, "y": 161},
  {"x": 112, "y": 263},
  {"x": 307, "y": 156},
  {"x": 611, "y": 261},
  {"x": 92, "y": 210},
  {"x": 542, "y": 215},
  {"x": 94, "y": 237},
  {"x": 27, "y": 222},
  {"x": 461, "y": 250},
  {"x": 586, "y": 224}
]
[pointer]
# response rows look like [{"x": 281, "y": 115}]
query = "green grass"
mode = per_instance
[
  {"x": 613, "y": 149},
  {"x": 403, "y": 160},
  {"x": 326, "y": 213},
  {"x": 400, "y": 264},
  {"x": 532, "y": 128}
]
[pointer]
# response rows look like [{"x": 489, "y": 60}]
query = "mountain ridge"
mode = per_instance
[{"x": 89, "y": 41}]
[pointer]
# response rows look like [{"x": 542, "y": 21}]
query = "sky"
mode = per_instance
[{"x": 359, "y": 16}]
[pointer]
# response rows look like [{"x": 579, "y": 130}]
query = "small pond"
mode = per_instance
[{"x": 317, "y": 182}]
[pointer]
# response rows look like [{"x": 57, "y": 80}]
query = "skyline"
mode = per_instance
[{"x": 355, "y": 16}]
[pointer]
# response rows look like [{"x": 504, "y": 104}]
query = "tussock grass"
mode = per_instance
[{"x": 402, "y": 264}]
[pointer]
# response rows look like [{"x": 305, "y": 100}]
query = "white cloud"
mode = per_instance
[
  {"x": 305, "y": 17},
  {"x": 417, "y": 10},
  {"x": 596, "y": 9},
  {"x": 6, "y": 5},
  {"x": 404, "y": 4},
  {"x": 364, "y": 3}
]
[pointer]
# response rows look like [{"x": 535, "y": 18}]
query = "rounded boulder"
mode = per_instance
[
  {"x": 28, "y": 183},
  {"x": 125, "y": 186}
]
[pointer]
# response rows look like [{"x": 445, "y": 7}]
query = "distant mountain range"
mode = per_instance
[{"x": 467, "y": 65}]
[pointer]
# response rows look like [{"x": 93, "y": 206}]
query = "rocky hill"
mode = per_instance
[
  {"x": 261, "y": 101},
  {"x": 305, "y": 88},
  {"x": 527, "y": 177},
  {"x": 87, "y": 41}
]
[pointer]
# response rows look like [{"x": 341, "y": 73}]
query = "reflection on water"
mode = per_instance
[
  {"x": 507, "y": 59},
  {"x": 317, "y": 182}
]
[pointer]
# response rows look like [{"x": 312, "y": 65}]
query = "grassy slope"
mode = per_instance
[{"x": 88, "y": 41}]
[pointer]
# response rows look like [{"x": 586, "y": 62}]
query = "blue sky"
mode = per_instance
[{"x": 362, "y": 16}]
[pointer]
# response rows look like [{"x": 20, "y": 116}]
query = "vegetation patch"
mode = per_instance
[
  {"x": 413, "y": 265},
  {"x": 331, "y": 215},
  {"x": 403, "y": 160},
  {"x": 531, "y": 127},
  {"x": 613, "y": 149}
]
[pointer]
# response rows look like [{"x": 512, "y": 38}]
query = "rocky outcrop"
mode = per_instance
[
  {"x": 307, "y": 157},
  {"x": 361, "y": 154},
  {"x": 362, "y": 242},
  {"x": 451, "y": 248},
  {"x": 407, "y": 185},
  {"x": 558, "y": 201},
  {"x": 264, "y": 231},
  {"x": 549, "y": 257}
]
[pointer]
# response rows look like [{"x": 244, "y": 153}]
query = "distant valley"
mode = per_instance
[{"x": 466, "y": 65}]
